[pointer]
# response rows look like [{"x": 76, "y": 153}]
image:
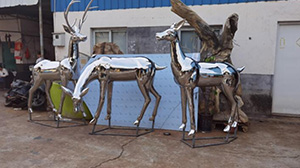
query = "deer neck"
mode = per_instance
[
  {"x": 73, "y": 53},
  {"x": 84, "y": 79},
  {"x": 177, "y": 56}
]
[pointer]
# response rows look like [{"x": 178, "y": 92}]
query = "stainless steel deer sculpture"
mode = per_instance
[
  {"x": 189, "y": 74},
  {"x": 108, "y": 69},
  {"x": 68, "y": 69}
]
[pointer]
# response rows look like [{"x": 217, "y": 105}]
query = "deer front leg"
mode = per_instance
[
  {"x": 103, "y": 85},
  {"x": 145, "y": 93},
  {"x": 189, "y": 93},
  {"x": 183, "y": 108},
  {"x": 109, "y": 97},
  {"x": 64, "y": 83}
]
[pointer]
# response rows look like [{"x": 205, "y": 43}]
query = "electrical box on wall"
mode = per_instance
[{"x": 58, "y": 39}]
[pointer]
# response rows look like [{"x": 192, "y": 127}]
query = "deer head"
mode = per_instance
[
  {"x": 73, "y": 30},
  {"x": 76, "y": 97},
  {"x": 171, "y": 33}
]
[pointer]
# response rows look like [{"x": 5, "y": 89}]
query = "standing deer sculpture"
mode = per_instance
[
  {"x": 45, "y": 72},
  {"x": 109, "y": 69},
  {"x": 189, "y": 74}
]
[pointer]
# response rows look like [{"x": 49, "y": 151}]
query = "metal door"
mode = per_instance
[{"x": 286, "y": 89}]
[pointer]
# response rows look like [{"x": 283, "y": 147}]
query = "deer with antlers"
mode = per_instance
[
  {"x": 45, "y": 72},
  {"x": 189, "y": 74}
]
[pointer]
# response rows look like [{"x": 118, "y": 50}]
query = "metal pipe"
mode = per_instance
[{"x": 41, "y": 29}]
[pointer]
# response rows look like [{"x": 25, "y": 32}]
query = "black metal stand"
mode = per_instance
[
  {"x": 191, "y": 142},
  {"x": 48, "y": 122},
  {"x": 137, "y": 130}
]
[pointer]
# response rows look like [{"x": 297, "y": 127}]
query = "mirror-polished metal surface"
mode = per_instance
[
  {"x": 189, "y": 74},
  {"x": 108, "y": 69},
  {"x": 45, "y": 72}
]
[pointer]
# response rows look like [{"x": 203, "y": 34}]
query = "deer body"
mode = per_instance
[
  {"x": 109, "y": 69},
  {"x": 189, "y": 74}
]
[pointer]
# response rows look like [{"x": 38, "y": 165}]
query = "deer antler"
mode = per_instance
[
  {"x": 84, "y": 15},
  {"x": 67, "y": 12}
]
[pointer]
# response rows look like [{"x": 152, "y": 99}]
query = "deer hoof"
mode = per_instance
[
  {"x": 182, "y": 126},
  {"x": 227, "y": 128},
  {"x": 151, "y": 118},
  {"x": 54, "y": 110},
  {"x": 58, "y": 117},
  {"x": 107, "y": 117},
  {"x": 93, "y": 121},
  {"x": 136, "y": 122},
  {"x": 30, "y": 110},
  {"x": 192, "y": 132},
  {"x": 234, "y": 124}
]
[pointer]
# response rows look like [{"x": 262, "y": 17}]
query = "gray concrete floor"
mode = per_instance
[{"x": 273, "y": 142}]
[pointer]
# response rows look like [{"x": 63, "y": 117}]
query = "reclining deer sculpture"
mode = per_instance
[
  {"x": 189, "y": 74},
  {"x": 68, "y": 69},
  {"x": 109, "y": 69}
]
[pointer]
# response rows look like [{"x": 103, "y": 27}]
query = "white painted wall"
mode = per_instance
[
  {"x": 257, "y": 20},
  {"x": 12, "y": 25}
]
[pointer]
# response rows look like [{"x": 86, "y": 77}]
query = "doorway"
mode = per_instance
[
  {"x": 286, "y": 90},
  {"x": 8, "y": 58}
]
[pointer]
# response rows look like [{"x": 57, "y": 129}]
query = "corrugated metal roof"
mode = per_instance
[
  {"x": 61, "y": 5},
  {"x": 12, "y": 3}
]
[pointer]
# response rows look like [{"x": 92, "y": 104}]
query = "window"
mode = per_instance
[
  {"x": 117, "y": 36},
  {"x": 189, "y": 40}
]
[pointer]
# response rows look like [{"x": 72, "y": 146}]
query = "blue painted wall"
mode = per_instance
[{"x": 60, "y": 5}]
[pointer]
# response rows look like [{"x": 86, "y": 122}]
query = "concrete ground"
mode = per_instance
[{"x": 273, "y": 142}]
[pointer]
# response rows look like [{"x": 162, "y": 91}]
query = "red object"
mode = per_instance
[
  {"x": 18, "y": 46},
  {"x": 27, "y": 54}
]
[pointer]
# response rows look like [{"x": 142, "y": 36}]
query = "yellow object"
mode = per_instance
[{"x": 67, "y": 111}]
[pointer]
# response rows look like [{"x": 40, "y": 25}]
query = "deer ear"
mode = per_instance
[
  {"x": 67, "y": 29},
  {"x": 84, "y": 92},
  {"x": 179, "y": 24},
  {"x": 67, "y": 91}
]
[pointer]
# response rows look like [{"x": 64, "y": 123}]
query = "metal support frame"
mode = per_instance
[
  {"x": 43, "y": 122},
  {"x": 191, "y": 142},
  {"x": 136, "y": 134}
]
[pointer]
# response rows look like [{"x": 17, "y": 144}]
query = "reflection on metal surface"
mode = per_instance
[
  {"x": 189, "y": 74},
  {"x": 108, "y": 69}
]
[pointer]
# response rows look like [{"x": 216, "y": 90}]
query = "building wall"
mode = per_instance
[{"x": 255, "y": 40}]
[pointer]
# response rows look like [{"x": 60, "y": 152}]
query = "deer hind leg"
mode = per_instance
[
  {"x": 48, "y": 85},
  {"x": 145, "y": 93},
  {"x": 109, "y": 97},
  {"x": 158, "y": 98},
  {"x": 229, "y": 93},
  {"x": 36, "y": 85},
  {"x": 103, "y": 85},
  {"x": 189, "y": 93},
  {"x": 183, "y": 108}
]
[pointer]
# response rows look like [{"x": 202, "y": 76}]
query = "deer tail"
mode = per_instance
[{"x": 157, "y": 67}]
